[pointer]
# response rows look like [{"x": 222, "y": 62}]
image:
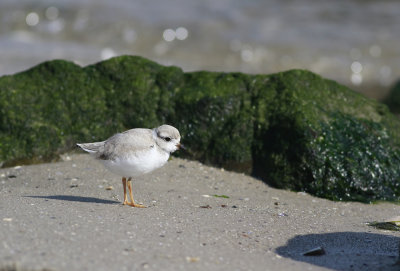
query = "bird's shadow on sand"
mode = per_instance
[
  {"x": 76, "y": 198},
  {"x": 346, "y": 250}
]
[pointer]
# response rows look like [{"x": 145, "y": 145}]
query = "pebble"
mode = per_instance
[{"x": 192, "y": 259}]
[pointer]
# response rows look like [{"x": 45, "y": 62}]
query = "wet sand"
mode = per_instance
[{"x": 68, "y": 216}]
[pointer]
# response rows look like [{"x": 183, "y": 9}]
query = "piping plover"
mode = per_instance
[{"x": 135, "y": 152}]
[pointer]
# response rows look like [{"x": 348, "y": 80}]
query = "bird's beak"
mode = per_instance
[{"x": 180, "y": 146}]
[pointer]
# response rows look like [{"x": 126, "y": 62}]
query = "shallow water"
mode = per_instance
[{"x": 355, "y": 42}]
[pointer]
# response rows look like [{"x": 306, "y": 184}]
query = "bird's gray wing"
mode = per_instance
[{"x": 130, "y": 142}]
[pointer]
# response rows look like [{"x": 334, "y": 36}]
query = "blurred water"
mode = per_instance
[{"x": 356, "y": 42}]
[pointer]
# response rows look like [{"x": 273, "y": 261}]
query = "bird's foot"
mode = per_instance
[
  {"x": 126, "y": 202},
  {"x": 135, "y": 205}
]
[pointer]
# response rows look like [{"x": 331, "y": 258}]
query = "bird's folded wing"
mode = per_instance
[{"x": 130, "y": 142}]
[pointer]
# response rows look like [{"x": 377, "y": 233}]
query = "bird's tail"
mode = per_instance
[{"x": 94, "y": 147}]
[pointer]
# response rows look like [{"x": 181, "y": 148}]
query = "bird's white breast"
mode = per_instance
[{"x": 132, "y": 165}]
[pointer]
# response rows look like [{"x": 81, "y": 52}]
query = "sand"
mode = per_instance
[{"x": 68, "y": 216}]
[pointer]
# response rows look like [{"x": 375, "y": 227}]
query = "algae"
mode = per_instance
[
  {"x": 221, "y": 196},
  {"x": 294, "y": 129},
  {"x": 393, "y": 98},
  {"x": 328, "y": 141},
  {"x": 388, "y": 226}
]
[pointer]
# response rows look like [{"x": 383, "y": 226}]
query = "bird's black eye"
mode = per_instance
[{"x": 167, "y": 139}]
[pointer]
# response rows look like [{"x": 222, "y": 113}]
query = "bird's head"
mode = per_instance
[{"x": 167, "y": 138}]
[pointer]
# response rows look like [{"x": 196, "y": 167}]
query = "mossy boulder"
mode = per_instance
[
  {"x": 294, "y": 129},
  {"x": 393, "y": 99}
]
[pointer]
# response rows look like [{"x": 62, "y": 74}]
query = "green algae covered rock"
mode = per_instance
[
  {"x": 393, "y": 99},
  {"x": 327, "y": 140},
  {"x": 294, "y": 129}
]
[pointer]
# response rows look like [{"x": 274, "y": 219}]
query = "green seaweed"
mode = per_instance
[
  {"x": 393, "y": 98},
  {"x": 214, "y": 115},
  {"x": 389, "y": 226},
  {"x": 221, "y": 196},
  {"x": 354, "y": 158}
]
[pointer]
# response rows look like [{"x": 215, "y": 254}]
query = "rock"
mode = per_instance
[
  {"x": 295, "y": 130},
  {"x": 318, "y": 251},
  {"x": 388, "y": 226},
  {"x": 393, "y": 99},
  {"x": 326, "y": 140}
]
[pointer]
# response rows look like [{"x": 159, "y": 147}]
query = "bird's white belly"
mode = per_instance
[{"x": 135, "y": 165}]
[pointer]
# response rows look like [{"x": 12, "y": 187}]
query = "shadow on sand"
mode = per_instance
[
  {"x": 76, "y": 198},
  {"x": 346, "y": 250}
]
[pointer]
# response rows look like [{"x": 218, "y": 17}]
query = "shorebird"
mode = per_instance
[{"x": 135, "y": 152}]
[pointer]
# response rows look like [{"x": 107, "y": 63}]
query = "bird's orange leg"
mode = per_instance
[
  {"x": 132, "y": 203},
  {"x": 125, "y": 195}
]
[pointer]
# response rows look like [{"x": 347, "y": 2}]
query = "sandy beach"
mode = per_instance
[{"x": 68, "y": 216}]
